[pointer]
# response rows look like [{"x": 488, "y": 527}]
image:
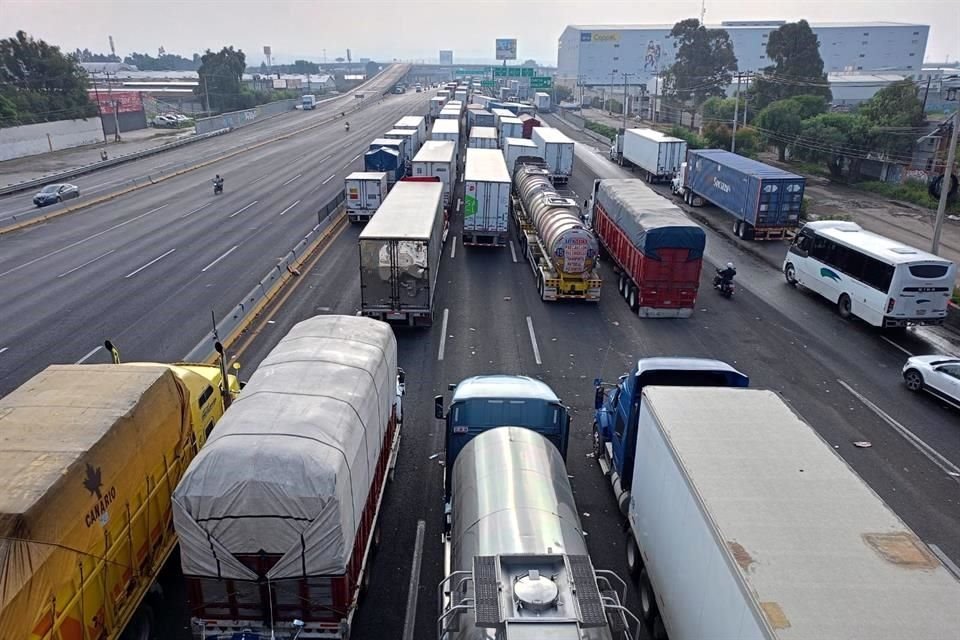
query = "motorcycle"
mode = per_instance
[
  {"x": 217, "y": 188},
  {"x": 725, "y": 287},
  {"x": 347, "y": 126}
]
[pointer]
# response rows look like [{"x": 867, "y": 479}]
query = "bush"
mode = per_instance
[
  {"x": 693, "y": 140},
  {"x": 912, "y": 191},
  {"x": 604, "y": 130},
  {"x": 956, "y": 295}
]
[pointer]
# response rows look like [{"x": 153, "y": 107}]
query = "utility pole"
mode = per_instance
[
  {"x": 612, "y": 85},
  {"x": 656, "y": 89},
  {"x": 736, "y": 112},
  {"x": 96, "y": 92},
  {"x": 946, "y": 183},
  {"x": 625, "y": 76},
  {"x": 206, "y": 94},
  {"x": 116, "y": 122}
]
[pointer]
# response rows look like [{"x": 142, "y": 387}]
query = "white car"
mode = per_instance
[{"x": 939, "y": 375}]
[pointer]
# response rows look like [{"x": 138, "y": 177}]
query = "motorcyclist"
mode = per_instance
[
  {"x": 347, "y": 126},
  {"x": 725, "y": 276},
  {"x": 218, "y": 183}
]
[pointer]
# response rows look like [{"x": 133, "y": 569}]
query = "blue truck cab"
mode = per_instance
[
  {"x": 485, "y": 402},
  {"x": 618, "y": 409}
]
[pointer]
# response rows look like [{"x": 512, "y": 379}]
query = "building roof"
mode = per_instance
[{"x": 843, "y": 77}]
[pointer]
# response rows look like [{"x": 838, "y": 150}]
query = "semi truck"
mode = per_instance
[
  {"x": 746, "y": 524},
  {"x": 364, "y": 192},
  {"x": 515, "y": 556},
  {"x": 414, "y": 122},
  {"x": 409, "y": 138},
  {"x": 400, "y": 250},
  {"x": 480, "y": 118},
  {"x": 486, "y": 198},
  {"x": 617, "y": 409},
  {"x": 556, "y": 149},
  {"x": 90, "y": 457},
  {"x": 482, "y": 138},
  {"x": 438, "y": 158},
  {"x": 385, "y": 160},
  {"x": 560, "y": 248},
  {"x": 657, "y": 251},
  {"x": 764, "y": 201},
  {"x": 278, "y": 517},
  {"x": 515, "y": 148},
  {"x": 436, "y": 105},
  {"x": 657, "y": 155},
  {"x": 529, "y": 122},
  {"x": 308, "y": 102},
  {"x": 541, "y": 101},
  {"x": 449, "y": 130},
  {"x": 509, "y": 128}
]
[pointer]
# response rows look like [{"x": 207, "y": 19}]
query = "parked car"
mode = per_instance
[
  {"x": 53, "y": 193},
  {"x": 939, "y": 375},
  {"x": 164, "y": 121}
]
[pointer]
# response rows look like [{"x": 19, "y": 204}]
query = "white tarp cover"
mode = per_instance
[{"x": 289, "y": 466}]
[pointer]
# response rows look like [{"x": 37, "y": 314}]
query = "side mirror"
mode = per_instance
[
  {"x": 452, "y": 387},
  {"x": 438, "y": 407},
  {"x": 598, "y": 398},
  {"x": 401, "y": 375}
]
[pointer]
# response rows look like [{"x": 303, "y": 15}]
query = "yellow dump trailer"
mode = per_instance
[{"x": 89, "y": 457}]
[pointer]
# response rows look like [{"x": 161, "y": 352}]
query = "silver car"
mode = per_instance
[
  {"x": 53, "y": 193},
  {"x": 938, "y": 375}
]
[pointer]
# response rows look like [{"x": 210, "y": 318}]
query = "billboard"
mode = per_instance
[
  {"x": 592, "y": 36},
  {"x": 506, "y": 48},
  {"x": 127, "y": 101},
  {"x": 446, "y": 57}
]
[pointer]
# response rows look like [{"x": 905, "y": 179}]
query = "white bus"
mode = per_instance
[{"x": 879, "y": 280}]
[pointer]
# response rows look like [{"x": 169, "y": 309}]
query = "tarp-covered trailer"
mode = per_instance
[{"x": 277, "y": 516}]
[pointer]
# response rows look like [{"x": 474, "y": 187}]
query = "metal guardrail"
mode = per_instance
[
  {"x": 263, "y": 290},
  {"x": 96, "y": 166}
]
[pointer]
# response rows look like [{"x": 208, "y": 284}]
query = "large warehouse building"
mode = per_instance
[{"x": 600, "y": 54}]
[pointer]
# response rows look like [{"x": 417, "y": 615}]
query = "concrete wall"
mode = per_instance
[
  {"x": 33, "y": 139},
  {"x": 129, "y": 121},
  {"x": 236, "y": 119}
]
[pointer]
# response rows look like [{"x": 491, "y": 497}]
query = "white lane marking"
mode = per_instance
[
  {"x": 533, "y": 341},
  {"x": 88, "y": 356},
  {"x": 453, "y": 248},
  {"x": 258, "y": 180},
  {"x": 224, "y": 255},
  {"x": 896, "y": 345},
  {"x": 4, "y": 349},
  {"x": 944, "y": 558},
  {"x": 296, "y": 177},
  {"x": 88, "y": 262},
  {"x": 351, "y": 161},
  {"x": 932, "y": 454},
  {"x": 329, "y": 179},
  {"x": 513, "y": 251},
  {"x": 290, "y": 207},
  {"x": 410, "y": 620},
  {"x": 324, "y": 159},
  {"x": 73, "y": 244},
  {"x": 152, "y": 262},
  {"x": 200, "y": 208},
  {"x": 443, "y": 334},
  {"x": 236, "y": 213}
]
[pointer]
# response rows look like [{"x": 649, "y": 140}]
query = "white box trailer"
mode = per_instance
[
  {"x": 414, "y": 122},
  {"x": 436, "y": 105},
  {"x": 445, "y": 129},
  {"x": 364, "y": 192},
  {"x": 460, "y": 95},
  {"x": 499, "y": 113},
  {"x": 657, "y": 155},
  {"x": 486, "y": 198},
  {"x": 400, "y": 251},
  {"x": 410, "y": 137},
  {"x": 438, "y": 159},
  {"x": 456, "y": 104},
  {"x": 509, "y": 128},
  {"x": 483, "y": 138},
  {"x": 556, "y": 150},
  {"x": 514, "y": 148},
  {"x": 750, "y": 526},
  {"x": 541, "y": 101},
  {"x": 449, "y": 113}
]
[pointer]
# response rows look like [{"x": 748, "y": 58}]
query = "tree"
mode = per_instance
[
  {"x": 896, "y": 105},
  {"x": 838, "y": 139},
  {"x": 220, "y": 75},
  {"x": 563, "y": 93},
  {"x": 780, "y": 123},
  {"x": 340, "y": 59},
  {"x": 797, "y": 67},
  {"x": 263, "y": 67},
  {"x": 165, "y": 62},
  {"x": 38, "y": 83},
  {"x": 704, "y": 64},
  {"x": 303, "y": 66}
]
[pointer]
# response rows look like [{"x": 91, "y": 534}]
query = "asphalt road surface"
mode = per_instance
[{"x": 147, "y": 268}]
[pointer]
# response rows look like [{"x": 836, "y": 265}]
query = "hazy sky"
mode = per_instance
[{"x": 415, "y": 29}]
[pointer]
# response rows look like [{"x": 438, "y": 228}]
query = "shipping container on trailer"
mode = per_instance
[
  {"x": 387, "y": 160},
  {"x": 529, "y": 122},
  {"x": 656, "y": 154},
  {"x": 363, "y": 193},
  {"x": 561, "y": 250},
  {"x": 764, "y": 201},
  {"x": 278, "y": 517},
  {"x": 499, "y": 113},
  {"x": 483, "y": 138},
  {"x": 436, "y": 105},
  {"x": 657, "y": 250},
  {"x": 409, "y": 136},
  {"x": 414, "y": 122},
  {"x": 542, "y": 102},
  {"x": 557, "y": 151},
  {"x": 509, "y": 128},
  {"x": 744, "y": 523},
  {"x": 515, "y": 148},
  {"x": 480, "y": 118},
  {"x": 486, "y": 198},
  {"x": 460, "y": 95},
  {"x": 400, "y": 145},
  {"x": 400, "y": 250},
  {"x": 447, "y": 130},
  {"x": 438, "y": 158}
]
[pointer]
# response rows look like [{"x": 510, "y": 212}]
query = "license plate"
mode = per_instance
[{"x": 396, "y": 316}]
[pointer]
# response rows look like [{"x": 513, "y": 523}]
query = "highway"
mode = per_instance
[
  {"x": 147, "y": 268},
  {"x": 825, "y": 368},
  {"x": 20, "y": 206}
]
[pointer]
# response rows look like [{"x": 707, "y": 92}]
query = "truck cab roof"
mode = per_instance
[
  {"x": 685, "y": 365},
  {"x": 503, "y": 386}
]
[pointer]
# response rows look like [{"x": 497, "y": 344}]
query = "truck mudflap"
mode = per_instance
[
  {"x": 360, "y": 215},
  {"x": 555, "y": 287}
]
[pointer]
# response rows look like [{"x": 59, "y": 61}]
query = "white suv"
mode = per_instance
[{"x": 939, "y": 375}]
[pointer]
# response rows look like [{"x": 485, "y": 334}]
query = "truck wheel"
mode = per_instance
[
  {"x": 659, "y": 631},
  {"x": 632, "y": 298},
  {"x": 845, "y": 307},
  {"x": 738, "y": 228},
  {"x": 141, "y": 626},
  {"x": 634, "y": 560},
  {"x": 790, "y": 273},
  {"x": 648, "y": 602},
  {"x": 621, "y": 283},
  {"x": 597, "y": 441}
]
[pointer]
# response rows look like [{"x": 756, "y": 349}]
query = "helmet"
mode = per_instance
[{"x": 729, "y": 265}]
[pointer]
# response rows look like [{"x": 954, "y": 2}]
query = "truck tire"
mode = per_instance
[
  {"x": 844, "y": 306},
  {"x": 659, "y": 631},
  {"x": 632, "y": 298},
  {"x": 634, "y": 559},
  {"x": 746, "y": 231},
  {"x": 141, "y": 626},
  {"x": 597, "y": 441},
  {"x": 790, "y": 274},
  {"x": 648, "y": 601}
]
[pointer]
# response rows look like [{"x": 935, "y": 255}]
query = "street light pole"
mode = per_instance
[
  {"x": 625, "y": 76},
  {"x": 612, "y": 85},
  {"x": 736, "y": 113},
  {"x": 946, "y": 183}
]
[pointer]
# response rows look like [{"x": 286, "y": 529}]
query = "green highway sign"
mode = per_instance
[
  {"x": 526, "y": 72},
  {"x": 500, "y": 72},
  {"x": 545, "y": 82},
  {"x": 488, "y": 83},
  {"x": 514, "y": 71}
]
